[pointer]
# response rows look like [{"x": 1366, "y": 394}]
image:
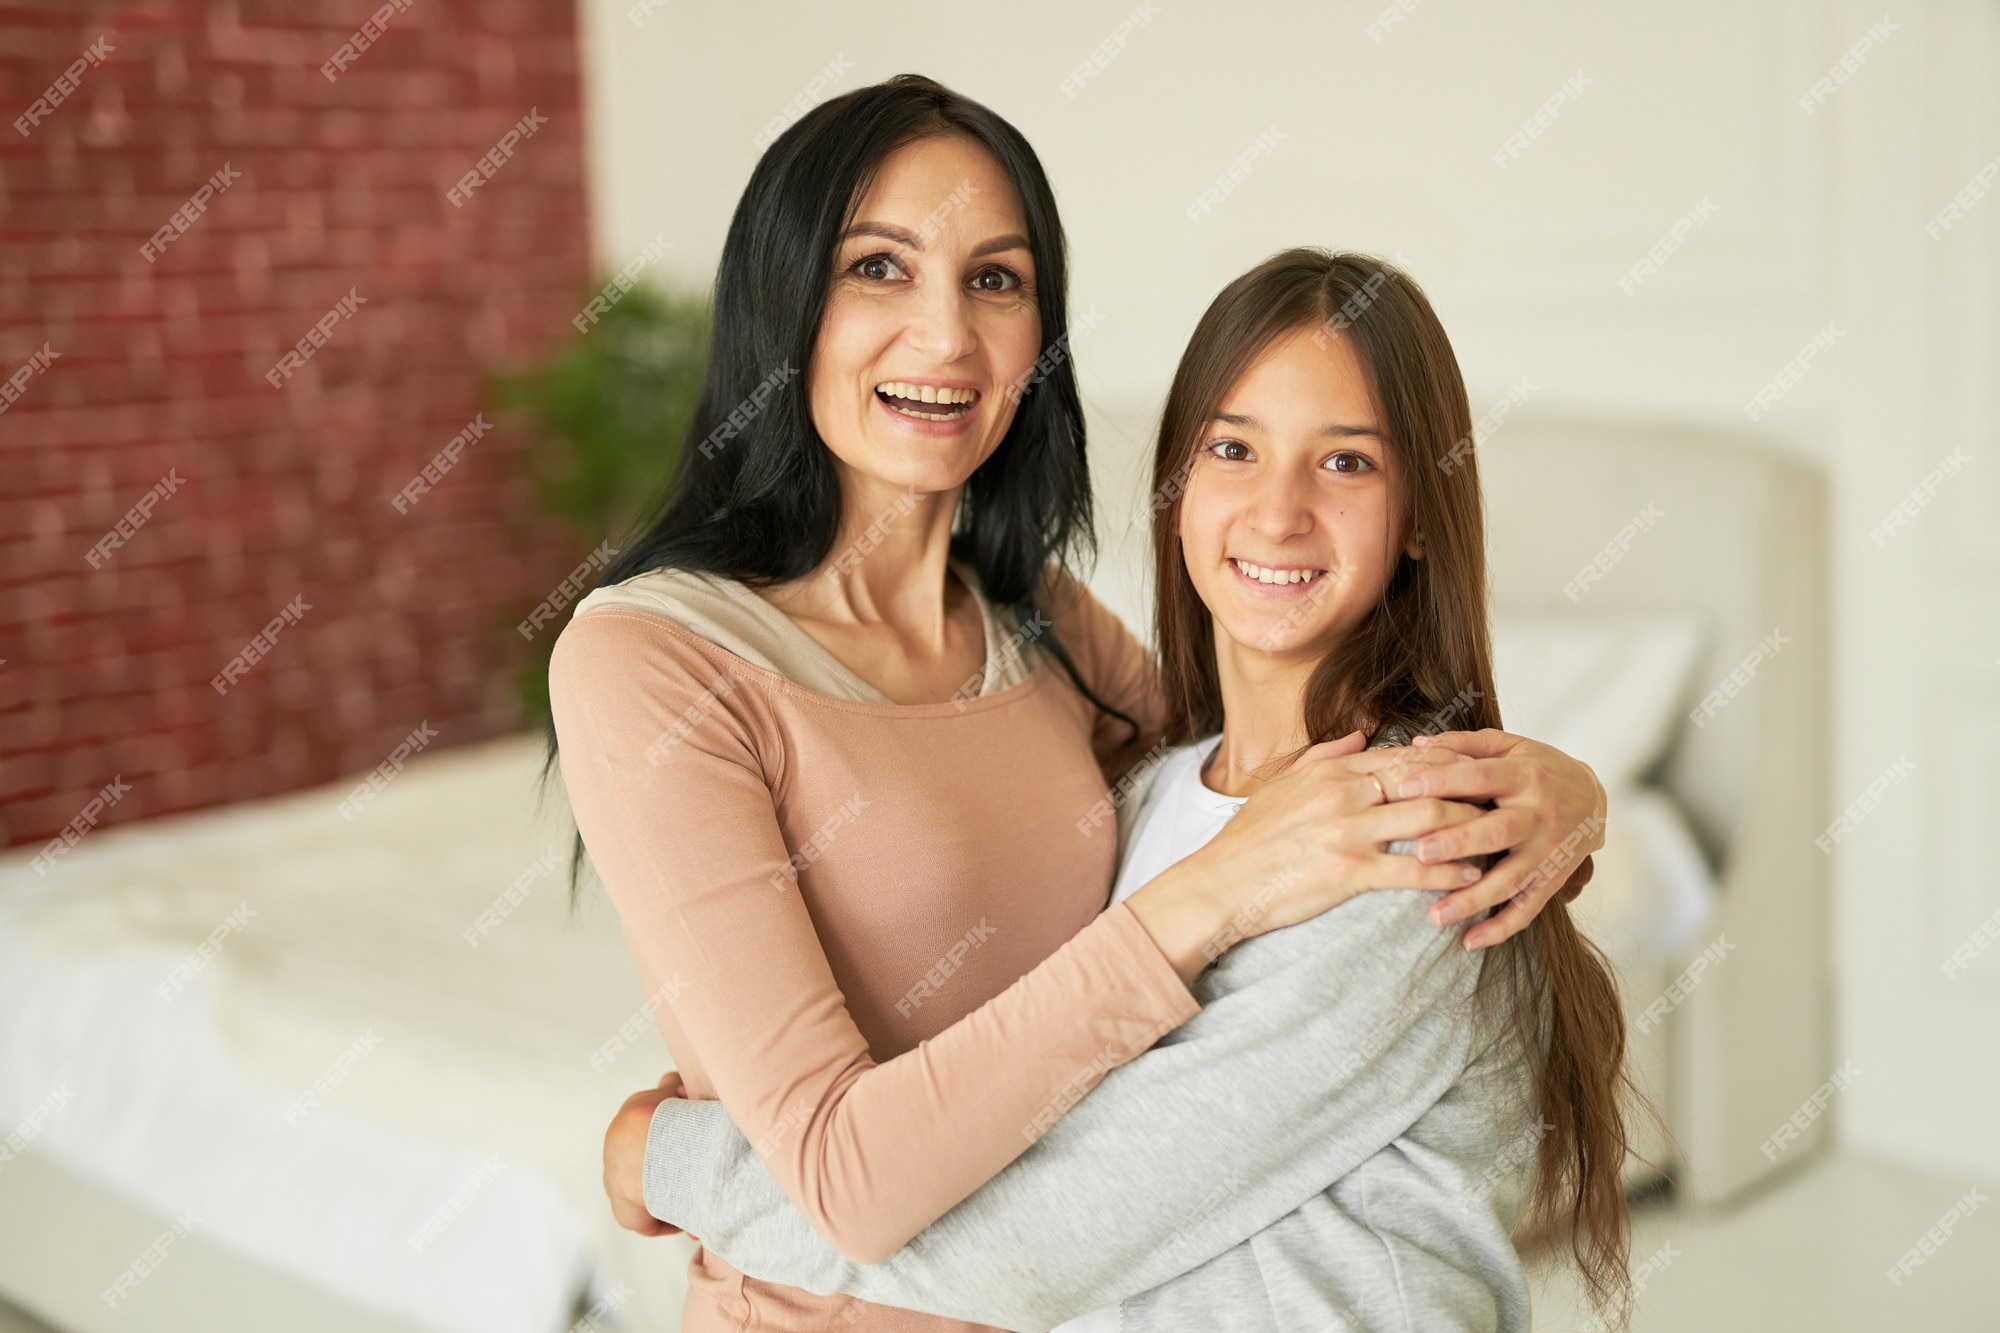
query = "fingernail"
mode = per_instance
[
  {"x": 1429, "y": 849},
  {"x": 1471, "y": 873},
  {"x": 1411, "y": 787},
  {"x": 1421, "y": 740}
]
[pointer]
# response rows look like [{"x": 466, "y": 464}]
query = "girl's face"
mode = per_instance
[
  {"x": 1290, "y": 522},
  {"x": 930, "y": 318}
]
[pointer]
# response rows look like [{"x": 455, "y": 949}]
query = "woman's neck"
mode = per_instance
[
  {"x": 1263, "y": 714},
  {"x": 888, "y": 566}
]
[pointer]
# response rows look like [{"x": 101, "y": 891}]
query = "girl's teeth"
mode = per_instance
[{"x": 1263, "y": 575}]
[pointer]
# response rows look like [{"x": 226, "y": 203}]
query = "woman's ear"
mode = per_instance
[{"x": 1414, "y": 547}]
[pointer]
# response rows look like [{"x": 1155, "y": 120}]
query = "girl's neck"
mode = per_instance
[{"x": 1263, "y": 714}]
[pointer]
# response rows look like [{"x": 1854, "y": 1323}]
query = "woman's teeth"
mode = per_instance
[
  {"x": 1263, "y": 575},
  {"x": 926, "y": 401}
]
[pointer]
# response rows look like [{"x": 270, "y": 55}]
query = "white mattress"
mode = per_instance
[{"x": 474, "y": 1118}]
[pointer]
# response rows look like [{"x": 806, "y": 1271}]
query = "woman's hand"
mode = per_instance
[
  {"x": 1549, "y": 817},
  {"x": 1306, "y": 841},
  {"x": 625, "y": 1158}
]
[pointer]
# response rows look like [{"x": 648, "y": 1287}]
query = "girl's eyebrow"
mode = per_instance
[
  {"x": 1334, "y": 429},
  {"x": 904, "y": 237}
]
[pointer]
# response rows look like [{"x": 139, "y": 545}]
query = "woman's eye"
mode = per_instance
[
  {"x": 1359, "y": 462},
  {"x": 875, "y": 268},
  {"x": 997, "y": 279},
  {"x": 1220, "y": 449}
]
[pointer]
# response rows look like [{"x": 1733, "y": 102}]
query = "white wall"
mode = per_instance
[{"x": 1819, "y": 218}]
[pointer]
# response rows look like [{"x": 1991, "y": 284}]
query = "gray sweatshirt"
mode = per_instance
[{"x": 1338, "y": 1140}]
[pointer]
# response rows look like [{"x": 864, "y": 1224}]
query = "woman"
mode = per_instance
[
  {"x": 1418, "y": 1099},
  {"x": 858, "y": 853}
]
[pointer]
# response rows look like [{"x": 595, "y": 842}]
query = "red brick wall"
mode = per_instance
[{"x": 277, "y": 492}]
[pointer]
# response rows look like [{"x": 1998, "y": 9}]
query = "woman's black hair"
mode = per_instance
[{"x": 754, "y": 495}]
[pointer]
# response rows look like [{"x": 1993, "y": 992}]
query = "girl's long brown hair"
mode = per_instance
[{"x": 1422, "y": 659}]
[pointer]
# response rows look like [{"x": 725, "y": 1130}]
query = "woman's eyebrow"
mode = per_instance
[
  {"x": 1334, "y": 429},
  {"x": 903, "y": 236}
]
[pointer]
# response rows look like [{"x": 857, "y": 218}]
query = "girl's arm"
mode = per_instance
[
  {"x": 665, "y": 769},
  {"x": 1319, "y": 1045}
]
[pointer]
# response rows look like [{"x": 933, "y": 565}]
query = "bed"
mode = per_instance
[{"x": 264, "y": 1013}]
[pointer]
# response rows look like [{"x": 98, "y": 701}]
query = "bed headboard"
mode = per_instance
[{"x": 1737, "y": 535}]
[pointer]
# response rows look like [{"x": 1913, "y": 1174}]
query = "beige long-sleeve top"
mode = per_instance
[{"x": 878, "y": 930}]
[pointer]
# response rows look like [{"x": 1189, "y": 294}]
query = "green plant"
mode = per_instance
[{"x": 609, "y": 410}]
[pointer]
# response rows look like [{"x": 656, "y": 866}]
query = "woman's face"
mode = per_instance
[
  {"x": 1289, "y": 522},
  {"x": 930, "y": 318}
]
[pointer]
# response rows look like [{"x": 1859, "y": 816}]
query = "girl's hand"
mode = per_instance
[
  {"x": 1549, "y": 818},
  {"x": 625, "y": 1158},
  {"x": 1306, "y": 841}
]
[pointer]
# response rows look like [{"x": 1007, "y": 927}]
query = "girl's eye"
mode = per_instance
[
  {"x": 1220, "y": 449},
  {"x": 999, "y": 278},
  {"x": 875, "y": 268},
  {"x": 1361, "y": 463}
]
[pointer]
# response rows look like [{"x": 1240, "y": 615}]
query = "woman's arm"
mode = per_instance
[
  {"x": 1319, "y": 1045},
  {"x": 679, "y": 822}
]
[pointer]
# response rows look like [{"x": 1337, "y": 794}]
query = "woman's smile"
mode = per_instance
[{"x": 930, "y": 407}]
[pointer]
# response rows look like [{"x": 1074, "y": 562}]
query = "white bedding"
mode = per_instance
[{"x": 471, "y": 1117}]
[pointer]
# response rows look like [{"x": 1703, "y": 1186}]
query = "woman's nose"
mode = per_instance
[{"x": 941, "y": 326}]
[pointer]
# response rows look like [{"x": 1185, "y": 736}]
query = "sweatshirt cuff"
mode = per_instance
[{"x": 683, "y": 1144}]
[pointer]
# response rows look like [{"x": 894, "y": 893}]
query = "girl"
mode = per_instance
[
  {"x": 837, "y": 730},
  {"x": 1413, "y": 1104}
]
